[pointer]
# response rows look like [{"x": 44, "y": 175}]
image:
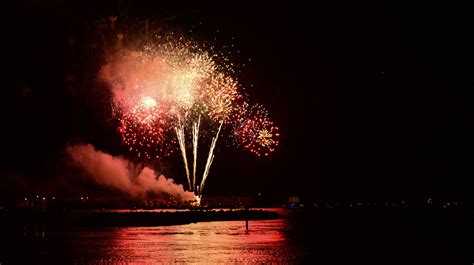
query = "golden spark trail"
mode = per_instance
[
  {"x": 195, "y": 148},
  {"x": 210, "y": 158},
  {"x": 182, "y": 145}
]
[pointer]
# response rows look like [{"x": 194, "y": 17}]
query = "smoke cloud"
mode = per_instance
[{"x": 119, "y": 173}]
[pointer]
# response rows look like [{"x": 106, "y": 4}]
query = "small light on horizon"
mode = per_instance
[
  {"x": 44, "y": 198},
  {"x": 26, "y": 199}
]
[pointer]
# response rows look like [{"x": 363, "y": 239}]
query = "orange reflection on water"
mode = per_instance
[{"x": 205, "y": 242}]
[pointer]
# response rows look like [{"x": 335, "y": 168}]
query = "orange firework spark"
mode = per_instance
[{"x": 220, "y": 93}]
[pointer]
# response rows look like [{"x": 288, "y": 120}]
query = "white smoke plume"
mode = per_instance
[{"x": 117, "y": 173}]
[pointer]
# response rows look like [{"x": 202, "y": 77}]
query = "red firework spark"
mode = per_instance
[
  {"x": 144, "y": 128},
  {"x": 255, "y": 131}
]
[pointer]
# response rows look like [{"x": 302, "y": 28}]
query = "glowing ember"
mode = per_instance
[
  {"x": 265, "y": 138},
  {"x": 148, "y": 102}
]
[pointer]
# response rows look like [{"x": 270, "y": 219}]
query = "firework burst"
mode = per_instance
[
  {"x": 255, "y": 131},
  {"x": 144, "y": 128},
  {"x": 166, "y": 87},
  {"x": 219, "y": 94}
]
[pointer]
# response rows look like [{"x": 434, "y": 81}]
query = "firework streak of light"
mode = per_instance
[
  {"x": 195, "y": 148},
  {"x": 182, "y": 145},
  {"x": 210, "y": 158}
]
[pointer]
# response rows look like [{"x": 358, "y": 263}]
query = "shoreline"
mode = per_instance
[{"x": 136, "y": 218}]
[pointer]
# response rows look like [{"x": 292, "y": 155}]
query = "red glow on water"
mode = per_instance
[
  {"x": 206, "y": 242},
  {"x": 224, "y": 242}
]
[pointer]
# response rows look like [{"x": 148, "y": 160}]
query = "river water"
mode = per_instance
[
  {"x": 305, "y": 237},
  {"x": 206, "y": 242},
  {"x": 220, "y": 242}
]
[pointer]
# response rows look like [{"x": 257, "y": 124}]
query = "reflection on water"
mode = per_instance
[
  {"x": 204, "y": 242},
  {"x": 346, "y": 236}
]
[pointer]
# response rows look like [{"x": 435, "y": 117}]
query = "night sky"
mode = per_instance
[{"x": 373, "y": 100}]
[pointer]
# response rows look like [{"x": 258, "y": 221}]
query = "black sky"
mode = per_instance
[{"x": 373, "y": 100}]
